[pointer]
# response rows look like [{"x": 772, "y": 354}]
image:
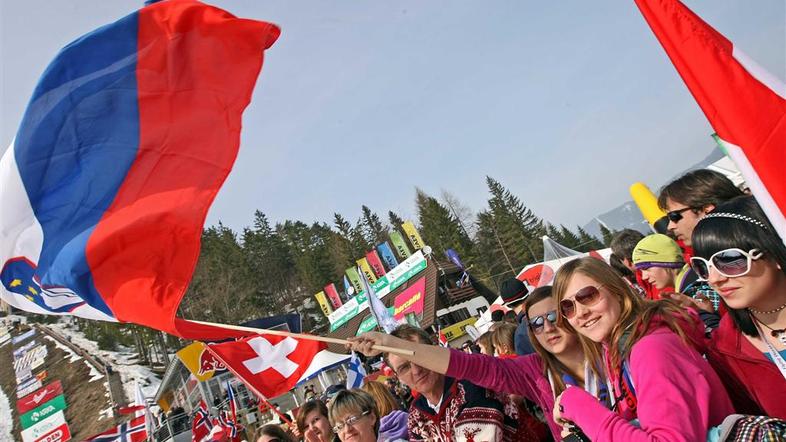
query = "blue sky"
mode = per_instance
[{"x": 566, "y": 103}]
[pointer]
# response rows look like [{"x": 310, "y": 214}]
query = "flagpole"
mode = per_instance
[{"x": 263, "y": 331}]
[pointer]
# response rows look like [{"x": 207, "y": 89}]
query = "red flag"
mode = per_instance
[
  {"x": 131, "y": 431},
  {"x": 744, "y": 103},
  {"x": 130, "y": 409},
  {"x": 443, "y": 340},
  {"x": 270, "y": 365},
  {"x": 202, "y": 423}
]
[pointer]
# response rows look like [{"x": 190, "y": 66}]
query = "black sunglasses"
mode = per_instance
[
  {"x": 538, "y": 323},
  {"x": 676, "y": 215}
]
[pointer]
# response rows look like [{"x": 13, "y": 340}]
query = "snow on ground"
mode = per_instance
[
  {"x": 123, "y": 361},
  {"x": 94, "y": 373},
  {"x": 72, "y": 357},
  {"x": 5, "y": 418}
]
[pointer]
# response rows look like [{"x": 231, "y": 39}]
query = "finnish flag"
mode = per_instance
[{"x": 355, "y": 372}]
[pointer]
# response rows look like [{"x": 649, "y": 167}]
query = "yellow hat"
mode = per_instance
[{"x": 657, "y": 250}]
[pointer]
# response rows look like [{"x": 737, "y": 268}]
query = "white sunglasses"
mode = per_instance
[{"x": 730, "y": 263}]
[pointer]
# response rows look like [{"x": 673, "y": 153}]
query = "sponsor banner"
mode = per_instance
[
  {"x": 59, "y": 434},
  {"x": 354, "y": 278},
  {"x": 4, "y": 338},
  {"x": 369, "y": 323},
  {"x": 42, "y": 375},
  {"x": 19, "y": 352},
  {"x": 199, "y": 361},
  {"x": 394, "y": 279},
  {"x": 46, "y": 426},
  {"x": 24, "y": 336},
  {"x": 400, "y": 244},
  {"x": 40, "y": 397},
  {"x": 323, "y": 303},
  {"x": 366, "y": 269},
  {"x": 332, "y": 294},
  {"x": 32, "y": 359},
  {"x": 386, "y": 253},
  {"x": 413, "y": 235},
  {"x": 32, "y": 385},
  {"x": 43, "y": 411},
  {"x": 410, "y": 300},
  {"x": 375, "y": 263},
  {"x": 458, "y": 329},
  {"x": 23, "y": 375}
]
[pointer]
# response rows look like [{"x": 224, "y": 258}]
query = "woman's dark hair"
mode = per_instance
[
  {"x": 307, "y": 408},
  {"x": 274, "y": 431},
  {"x": 714, "y": 234}
]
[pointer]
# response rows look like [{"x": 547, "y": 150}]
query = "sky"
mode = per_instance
[{"x": 566, "y": 103}]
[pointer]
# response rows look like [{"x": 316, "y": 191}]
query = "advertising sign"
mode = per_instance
[
  {"x": 387, "y": 255},
  {"x": 376, "y": 264},
  {"x": 42, "y": 396},
  {"x": 199, "y": 361},
  {"x": 46, "y": 426},
  {"x": 354, "y": 278},
  {"x": 59, "y": 434},
  {"x": 410, "y": 300},
  {"x": 370, "y": 323},
  {"x": 458, "y": 329},
  {"x": 394, "y": 279},
  {"x": 413, "y": 235},
  {"x": 19, "y": 352},
  {"x": 332, "y": 295},
  {"x": 366, "y": 268},
  {"x": 28, "y": 387},
  {"x": 400, "y": 244},
  {"x": 26, "y": 335},
  {"x": 323, "y": 303},
  {"x": 43, "y": 411}
]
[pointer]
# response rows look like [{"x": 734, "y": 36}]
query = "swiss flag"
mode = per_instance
[
  {"x": 745, "y": 104},
  {"x": 270, "y": 365}
]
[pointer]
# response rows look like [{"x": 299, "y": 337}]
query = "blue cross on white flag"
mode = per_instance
[{"x": 355, "y": 372}]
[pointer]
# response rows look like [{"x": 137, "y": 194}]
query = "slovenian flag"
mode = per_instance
[
  {"x": 129, "y": 134},
  {"x": 744, "y": 103}
]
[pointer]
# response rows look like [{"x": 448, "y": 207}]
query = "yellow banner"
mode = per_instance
[
  {"x": 413, "y": 235},
  {"x": 323, "y": 303},
  {"x": 372, "y": 278},
  {"x": 199, "y": 361},
  {"x": 647, "y": 202},
  {"x": 458, "y": 329}
]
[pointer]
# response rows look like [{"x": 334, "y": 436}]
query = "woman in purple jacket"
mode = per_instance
[
  {"x": 539, "y": 377},
  {"x": 663, "y": 389}
]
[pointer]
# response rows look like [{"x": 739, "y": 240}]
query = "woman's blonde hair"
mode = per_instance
[
  {"x": 384, "y": 399},
  {"x": 354, "y": 401},
  {"x": 484, "y": 342},
  {"x": 551, "y": 365},
  {"x": 503, "y": 337},
  {"x": 637, "y": 315}
]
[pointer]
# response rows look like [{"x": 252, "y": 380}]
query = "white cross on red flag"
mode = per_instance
[{"x": 270, "y": 365}]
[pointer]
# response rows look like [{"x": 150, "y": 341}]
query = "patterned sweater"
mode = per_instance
[{"x": 468, "y": 413}]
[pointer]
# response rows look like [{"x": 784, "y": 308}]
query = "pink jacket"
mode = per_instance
[
  {"x": 679, "y": 396},
  {"x": 522, "y": 375}
]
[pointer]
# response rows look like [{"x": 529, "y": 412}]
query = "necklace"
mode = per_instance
[
  {"x": 779, "y": 334},
  {"x": 768, "y": 312}
]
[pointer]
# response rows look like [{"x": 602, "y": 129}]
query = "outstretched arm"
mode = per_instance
[{"x": 429, "y": 357}]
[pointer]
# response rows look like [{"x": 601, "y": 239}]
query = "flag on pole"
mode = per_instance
[
  {"x": 129, "y": 134},
  {"x": 131, "y": 431},
  {"x": 384, "y": 319},
  {"x": 269, "y": 365},
  {"x": 202, "y": 424},
  {"x": 356, "y": 373},
  {"x": 232, "y": 401},
  {"x": 744, "y": 103},
  {"x": 443, "y": 340}
]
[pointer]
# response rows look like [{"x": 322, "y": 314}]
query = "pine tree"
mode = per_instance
[
  {"x": 270, "y": 260},
  {"x": 374, "y": 231},
  {"x": 519, "y": 229},
  {"x": 607, "y": 234},
  {"x": 587, "y": 242},
  {"x": 395, "y": 220},
  {"x": 440, "y": 229},
  {"x": 353, "y": 234}
]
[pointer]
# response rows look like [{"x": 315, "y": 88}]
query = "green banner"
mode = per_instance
[
  {"x": 41, "y": 412},
  {"x": 384, "y": 285},
  {"x": 354, "y": 278},
  {"x": 400, "y": 244},
  {"x": 370, "y": 323}
]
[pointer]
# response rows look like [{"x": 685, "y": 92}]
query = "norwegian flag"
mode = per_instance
[
  {"x": 269, "y": 365},
  {"x": 744, "y": 103},
  {"x": 131, "y": 431},
  {"x": 229, "y": 425},
  {"x": 202, "y": 424},
  {"x": 232, "y": 402}
]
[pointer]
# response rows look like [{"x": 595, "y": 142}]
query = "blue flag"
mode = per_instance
[{"x": 355, "y": 372}]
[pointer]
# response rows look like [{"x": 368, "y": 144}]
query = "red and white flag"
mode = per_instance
[
  {"x": 270, "y": 365},
  {"x": 443, "y": 340},
  {"x": 744, "y": 103},
  {"x": 202, "y": 423},
  {"x": 131, "y": 431}
]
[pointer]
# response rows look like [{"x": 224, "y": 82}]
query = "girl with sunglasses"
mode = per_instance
[
  {"x": 539, "y": 377},
  {"x": 662, "y": 386},
  {"x": 739, "y": 253}
]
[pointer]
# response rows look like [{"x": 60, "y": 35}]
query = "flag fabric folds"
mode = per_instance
[
  {"x": 128, "y": 136},
  {"x": 202, "y": 423},
  {"x": 269, "y": 365},
  {"x": 131, "y": 431},
  {"x": 378, "y": 310},
  {"x": 745, "y": 104},
  {"x": 355, "y": 372}
]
